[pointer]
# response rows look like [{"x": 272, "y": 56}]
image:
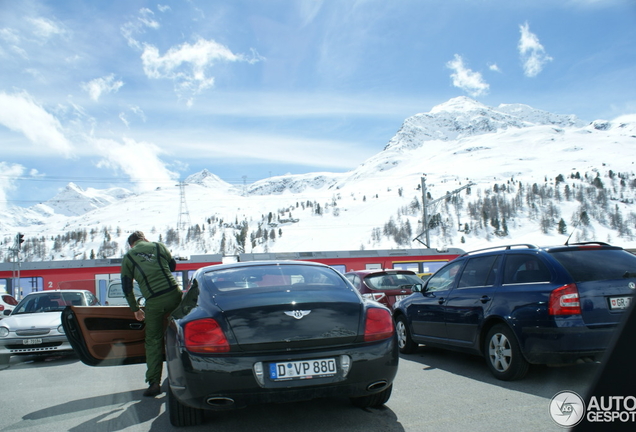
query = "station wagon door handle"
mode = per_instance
[
  {"x": 136, "y": 326},
  {"x": 484, "y": 299}
]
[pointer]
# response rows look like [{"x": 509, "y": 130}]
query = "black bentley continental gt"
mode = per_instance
[{"x": 255, "y": 332}]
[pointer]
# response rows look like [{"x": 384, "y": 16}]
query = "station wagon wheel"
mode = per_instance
[
  {"x": 405, "y": 341},
  {"x": 182, "y": 415},
  {"x": 503, "y": 354}
]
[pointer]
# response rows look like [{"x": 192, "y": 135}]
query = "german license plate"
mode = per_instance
[
  {"x": 620, "y": 302},
  {"x": 303, "y": 369},
  {"x": 31, "y": 341}
]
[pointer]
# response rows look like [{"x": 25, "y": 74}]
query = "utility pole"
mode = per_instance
[
  {"x": 17, "y": 245},
  {"x": 433, "y": 204},
  {"x": 184, "y": 214}
]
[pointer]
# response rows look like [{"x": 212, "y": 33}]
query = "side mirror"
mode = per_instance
[
  {"x": 417, "y": 288},
  {"x": 6, "y": 312}
]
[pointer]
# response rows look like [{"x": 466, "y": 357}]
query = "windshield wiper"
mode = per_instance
[{"x": 629, "y": 275}]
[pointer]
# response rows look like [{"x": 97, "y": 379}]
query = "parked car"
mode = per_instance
[
  {"x": 254, "y": 332},
  {"x": 522, "y": 304},
  {"x": 384, "y": 286},
  {"x": 7, "y": 303},
  {"x": 34, "y": 326},
  {"x": 115, "y": 294}
]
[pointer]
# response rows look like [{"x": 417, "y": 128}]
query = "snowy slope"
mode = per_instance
[{"x": 461, "y": 141}]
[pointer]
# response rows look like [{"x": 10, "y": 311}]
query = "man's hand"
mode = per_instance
[{"x": 140, "y": 315}]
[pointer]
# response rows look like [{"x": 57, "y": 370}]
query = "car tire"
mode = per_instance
[
  {"x": 183, "y": 415},
  {"x": 374, "y": 400},
  {"x": 503, "y": 355},
  {"x": 405, "y": 341}
]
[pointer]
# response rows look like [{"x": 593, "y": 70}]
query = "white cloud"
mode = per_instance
[
  {"x": 22, "y": 114},
  {"x": 138, "y": 26},
  {"x": 188, "y": 65},
  {"x": 533, "y": 55},
  {"x": 138, "y": 160},
  {"x": 96, "y": 87},
  {"x": 163, "y": 8},
  {"x": 45, "y": 28},
  {"x": 493, "y": 67},
  {"x": 466, "y": 79},
  {"x": 10, "y": 173}
]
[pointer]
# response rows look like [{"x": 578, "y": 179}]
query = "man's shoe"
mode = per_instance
[{"x": 153, "y": 390}]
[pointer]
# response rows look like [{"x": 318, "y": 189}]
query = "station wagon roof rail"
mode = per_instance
[{"x": 508, "y": 247}]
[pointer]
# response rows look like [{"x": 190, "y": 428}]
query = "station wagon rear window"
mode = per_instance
[{"x": 586, "y": 265}]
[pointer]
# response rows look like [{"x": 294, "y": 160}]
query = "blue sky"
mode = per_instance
[{"x": 141, "y": 94}]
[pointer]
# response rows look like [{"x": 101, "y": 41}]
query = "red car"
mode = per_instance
[{"x": 384, "y": 286}]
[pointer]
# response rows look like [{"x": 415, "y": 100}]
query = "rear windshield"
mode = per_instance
[
  {"x": 392, "y": 281},
  {"x": 586, "y": 265},
  {"x": 275, "y": 277}
]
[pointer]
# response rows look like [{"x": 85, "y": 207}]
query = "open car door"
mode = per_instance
[{"x": 105, "y": 336}]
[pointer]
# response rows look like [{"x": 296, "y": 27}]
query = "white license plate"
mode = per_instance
[
  {"x": 620, "y": 302},
  {"x": 304, "y": 369},
  {"x": 31, "y": 341},
  {"x": 400, "y": 297}
]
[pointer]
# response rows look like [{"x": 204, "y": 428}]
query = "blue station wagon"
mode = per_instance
[{"x": 522, "y": 304}]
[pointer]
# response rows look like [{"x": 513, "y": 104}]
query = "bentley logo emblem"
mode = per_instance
[
  {"x": 632, "y": 285},
  {"x": 298, "y": 314}
]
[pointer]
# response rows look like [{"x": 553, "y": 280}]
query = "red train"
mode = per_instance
[{"x": 94, "y": 275}]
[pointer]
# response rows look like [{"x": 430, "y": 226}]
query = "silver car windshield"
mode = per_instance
[{"x": 53, "y": 302}]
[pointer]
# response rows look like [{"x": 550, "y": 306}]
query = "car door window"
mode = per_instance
[
  {"x": 445, "y": 278},
  {"x": 479, "y": 271},
  {"x": 521, "y": 268}
]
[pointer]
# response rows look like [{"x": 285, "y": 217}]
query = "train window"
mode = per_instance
[
  {"x": 340, "y": 267},
  {"x": 413, "y": 266},
  {"x": 29, "y": 284},
  {"x": 432, "y": 266}
]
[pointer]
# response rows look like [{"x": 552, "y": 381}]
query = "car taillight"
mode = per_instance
[
  {"x": 378, "y": 325},
  {"x": 1, "y": 308},
  {"x": 565, "y": 301},
  {"x": 205, "y": 336}
]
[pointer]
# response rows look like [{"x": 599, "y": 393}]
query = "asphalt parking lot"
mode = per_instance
[{"x": 435, "y": 390}]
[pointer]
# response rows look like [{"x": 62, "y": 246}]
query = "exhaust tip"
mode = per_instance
[
  {"x": 220, "y": 402},
  {"x": 378, "y": 385}
]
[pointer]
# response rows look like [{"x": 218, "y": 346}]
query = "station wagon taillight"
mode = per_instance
[
  {"x": 565, "y": 301},
  {"x": 378, "y": 325},
  {"x": 205, "y": 336}
]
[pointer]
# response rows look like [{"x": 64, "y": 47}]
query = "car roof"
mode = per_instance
[
  {"x": 56, "y": 291},
  {"x": 532, "y": 247},
  {"x": 245, "y": 264},
  {"x": 380, "y": 271}
]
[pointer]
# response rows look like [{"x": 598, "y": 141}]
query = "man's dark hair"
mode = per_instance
[{"x": 137, "y": 235}]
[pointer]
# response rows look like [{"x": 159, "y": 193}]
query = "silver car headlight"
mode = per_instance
[
  {"x": 4, "y": 332},
  {"x": 60, "y": 329}
]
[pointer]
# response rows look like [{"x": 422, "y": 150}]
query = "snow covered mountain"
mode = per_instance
[
  {"x": 74, "y": 201},
  {"x": 537, "y": 178}
]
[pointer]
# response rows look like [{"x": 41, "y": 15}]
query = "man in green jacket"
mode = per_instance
[{"x": 151, "y": 265}]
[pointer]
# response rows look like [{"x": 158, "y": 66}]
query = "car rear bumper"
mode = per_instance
[
  {"x": 566, "y": 344},
  {"x": 228, "y": 382}
]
